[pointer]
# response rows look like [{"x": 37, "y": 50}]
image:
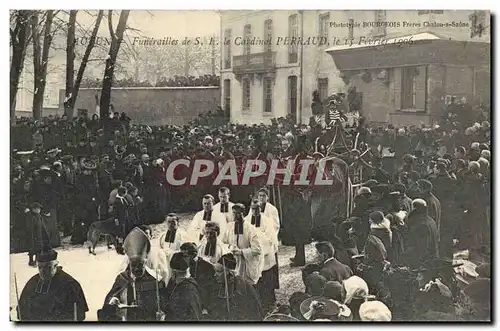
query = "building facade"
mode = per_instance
[{"x": 395, "y": 66}]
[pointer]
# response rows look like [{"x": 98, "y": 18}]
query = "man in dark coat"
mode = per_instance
[
  {"x": 121, "y": 210},
  {"x": 38, "y": 231},
  {"x": 446, "y": 190},
  {"x": 87, "y": 196},
  {"x": 328, "y": 266},
  {"x": 48, "y": 193},
  {"x": 184, "y": 298},
  {"x": 433, "y": 203},
  {"x": 380, "y": 227},
  {"x": 137, "y": 293},
  {"x": 422, "y": 236},
  {"x": 235, "y": 299},
  {"x": 332, "y": 269},
  {"x": 52, "y": 295}
]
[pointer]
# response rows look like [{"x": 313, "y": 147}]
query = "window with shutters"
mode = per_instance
[
  {"x": 268, "y": 95},
  {"x": 379, "y": 30},
  {"x": 227, "y": 95},
  {"x": 247, "y": 36},
  {"x": 268, "y": 30},
  {"x": 324, "y": 20},
  {"x": 292, "y": 95},
  {"x": 410, "y": 85},
  {"x": 227, "y": 49},
  {"x": 350, "y": 26},
  {"x": 293, "y": 32},
  {"x": 323, "y": 88},
  {"x": 246, "y": 94}
]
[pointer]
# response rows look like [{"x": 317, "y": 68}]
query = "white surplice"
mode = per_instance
[
  {"x": 251, "y": 261},
  {"x": 180, "y": 236},
  {"x": 271, "y": 212},
  {"x": 220, "y": 250},
  {"x": 229, "y": 214},
  {"x": 197, "y": 226},
  {"x": 268, "y": 234}
]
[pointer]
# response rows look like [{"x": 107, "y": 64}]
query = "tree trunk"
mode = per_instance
[
  {"x": 70, "y": 104},
  {"x": 19, "y": 39},
  {"x": 40, "y": 64},
  {"x": 70, "y": 62},
  {"x": 116, "y": 40}
]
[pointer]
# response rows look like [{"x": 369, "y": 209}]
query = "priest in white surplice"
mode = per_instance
[
  {"x": 224, "y": 206},
  {"x": 266, "y": 207},
  {"x": 245, "y": 244},
  {"x": 211, "y": 248},
  {"x": 208, "y": 214},
  {"x": 268, "y": 230},
  {"x": 171, "y": 241}
]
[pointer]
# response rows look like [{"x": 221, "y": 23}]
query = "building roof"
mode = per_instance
[
  {"x": 385, "y": 40},
  {"x": 426, "y": 48}
]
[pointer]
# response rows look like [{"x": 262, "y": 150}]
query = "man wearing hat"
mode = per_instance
[
  {"x": 208, "y": 214},
  {"x": 446, "y": 190},
  {"x": 87, "y": 196},
  {"x": 49, "y": 194},
  {"x": 433, "y": 203},
  {"x": 422, "y": 237},
  {"x": 38, "y": 231},
  {"x": 135, "y": 293},
  {"x": 234, "y": 299},
  {"x": 245, "y": 244},
  {"x": 52, "y": 295},
  {"x": 184, "y": 298}
]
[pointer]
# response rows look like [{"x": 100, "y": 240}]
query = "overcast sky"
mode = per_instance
[{"x": 162, "y": 23}]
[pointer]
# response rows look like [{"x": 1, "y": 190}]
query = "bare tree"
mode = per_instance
[
  {"x": 116, "y": 40},
  {"x": 156, "y": 63},
  {"x": 70, "y": 58},
  {"x": 40, "y": 59},
  {"x": 72, "y": 87},
  {"x": 19, "y": 35}
]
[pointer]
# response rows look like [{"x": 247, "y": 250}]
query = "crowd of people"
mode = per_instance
[
  {"x": 423, "y": 194},
  {"x": 176, "y": 81}
]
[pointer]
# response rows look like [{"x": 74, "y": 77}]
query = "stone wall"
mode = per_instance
[{"x": 154, "y": 105}]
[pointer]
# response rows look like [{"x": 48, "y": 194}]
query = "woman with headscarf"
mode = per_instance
[{"x": 355, "y": 292}]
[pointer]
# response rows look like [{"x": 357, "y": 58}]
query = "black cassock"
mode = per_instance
[
  {"x": 52, "y": 300},
  {"x": 184, "y": 301},
  {"x": 145, "y": 298},
  {"x": 244, "y": 302}
]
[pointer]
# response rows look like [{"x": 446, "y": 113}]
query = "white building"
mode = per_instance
[{"x": 271, "y": 77}]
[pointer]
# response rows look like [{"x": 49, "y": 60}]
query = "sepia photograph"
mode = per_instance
[{"x": 272, "y": 166}]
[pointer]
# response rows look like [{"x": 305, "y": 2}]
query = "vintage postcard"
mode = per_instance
[{"x": 250, "y": 165}]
